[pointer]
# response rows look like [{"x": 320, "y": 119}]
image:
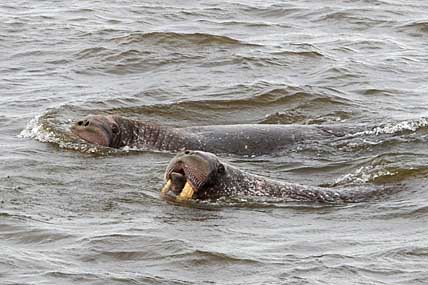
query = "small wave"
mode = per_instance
[
  {"x": 363, "y": 175},
  {"x": 307, "y": 53},
  {"x": 174, "y": 39},
  {"x": 361, "y": 18},
  {"x": 293, "y": 116},
  {"x": 416, "y": 26},
  {"x": 405, "y": 252},
  {"x": 201, "y": 257},
  {"x": 395, "y": 128},
  {"x": 93, "y": 52},
  {"x": 236, "y": 23},
  {"x": 75, "y": 277},
  {"x": 273, "y": 11},
  {"x": 263, "y": 203},
  {"x": 421, "y": 211},
  {"x": 115, "y": 61},
  {"x": 296, "y": 116},
  {"x": 140, "y": 52},
  {"x": 297, "y": 105},
  {"x": 35, "y": 236},
  {"x": 259, "y": 104},
  {"x": 274, "y": 95},
  {"x": 112, "y": 55},
  {"x": 388, "y": 168}
]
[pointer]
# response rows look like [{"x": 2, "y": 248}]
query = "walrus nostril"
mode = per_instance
[
  {"x": 187, "y": 152},
  {"x": 86, "y": 123},
  {"x": 80, "y": 123}
]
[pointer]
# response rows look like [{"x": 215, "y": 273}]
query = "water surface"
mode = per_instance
[{"x": 72, "y": 213}]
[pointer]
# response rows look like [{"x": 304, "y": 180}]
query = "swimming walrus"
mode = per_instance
[
  {"x": 202, "y": 175},
  {"x": 248, "y": 139}
]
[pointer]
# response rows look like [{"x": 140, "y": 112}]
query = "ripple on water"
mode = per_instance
[
  {"x": 142, "y": 52},
  {"x": 31, "y": 236},
  {"x": 178, "y": 39},
  {"x": 202, "y": 63},
  {"x": 415, "y": 28}
]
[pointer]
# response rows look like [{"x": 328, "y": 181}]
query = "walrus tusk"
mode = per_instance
[
  {"x": 186, "y": 193},
  {"x": 165, "y": 189}
]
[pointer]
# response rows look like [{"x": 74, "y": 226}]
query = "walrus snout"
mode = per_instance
[
  {"x": 178, "y": 184},
  {"x": 94, "y": 129},
  {"x": 83, "y": 123},
  {"x": 188, "y": 172}
]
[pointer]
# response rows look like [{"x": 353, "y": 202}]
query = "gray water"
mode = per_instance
[{"x": 72, "y": 213}]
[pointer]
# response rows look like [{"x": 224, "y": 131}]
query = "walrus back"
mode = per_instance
[{"x": 253, "y": 139}]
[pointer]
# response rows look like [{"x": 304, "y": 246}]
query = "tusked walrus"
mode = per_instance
[{"x": 202, "y": 175}]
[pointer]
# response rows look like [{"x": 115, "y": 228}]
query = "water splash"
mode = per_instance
[
  {"x": 364, "y": 174},
  {"x": 34, "y": 130},
  {"x": 394, "y": 128},
  {"x": 39, "y": 129}
]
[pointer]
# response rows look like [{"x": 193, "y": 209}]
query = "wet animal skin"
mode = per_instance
[
  {"x": 244, "y": 139},
  {"x": 202, "y": 175}
]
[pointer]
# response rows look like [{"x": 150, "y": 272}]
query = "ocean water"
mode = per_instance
[{"x": 73, "y": 213}]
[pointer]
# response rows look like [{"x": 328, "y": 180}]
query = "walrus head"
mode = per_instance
[
  {"x": 99, "y": 130},
  {"x": 189, "y": 173}
]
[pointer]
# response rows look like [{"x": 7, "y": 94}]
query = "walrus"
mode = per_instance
[
  {"x": 202, "y": 175},
  {"x": 248, "y": 139}
]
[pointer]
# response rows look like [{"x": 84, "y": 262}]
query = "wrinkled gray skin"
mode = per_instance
[
  {"x": 211, "y": 178},
  {"x": 250, "y": 139}
]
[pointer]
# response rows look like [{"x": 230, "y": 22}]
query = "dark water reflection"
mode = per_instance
[{"x": 76, "y": 214}]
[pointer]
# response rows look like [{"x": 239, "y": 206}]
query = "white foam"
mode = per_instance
[
  {"x": 34, "y": 130},
  {"x": 412, "y": 125},
  {"x": 131, "y": 148},
  {"x": 363, "y": 175}
]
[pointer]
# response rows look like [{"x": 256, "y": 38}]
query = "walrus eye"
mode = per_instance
[
  {"x": 220, "y": 169},
  {"x": 114, "y": 129}
]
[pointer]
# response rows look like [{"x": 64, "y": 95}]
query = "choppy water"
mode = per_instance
[{"x": 74, "y": 214}]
